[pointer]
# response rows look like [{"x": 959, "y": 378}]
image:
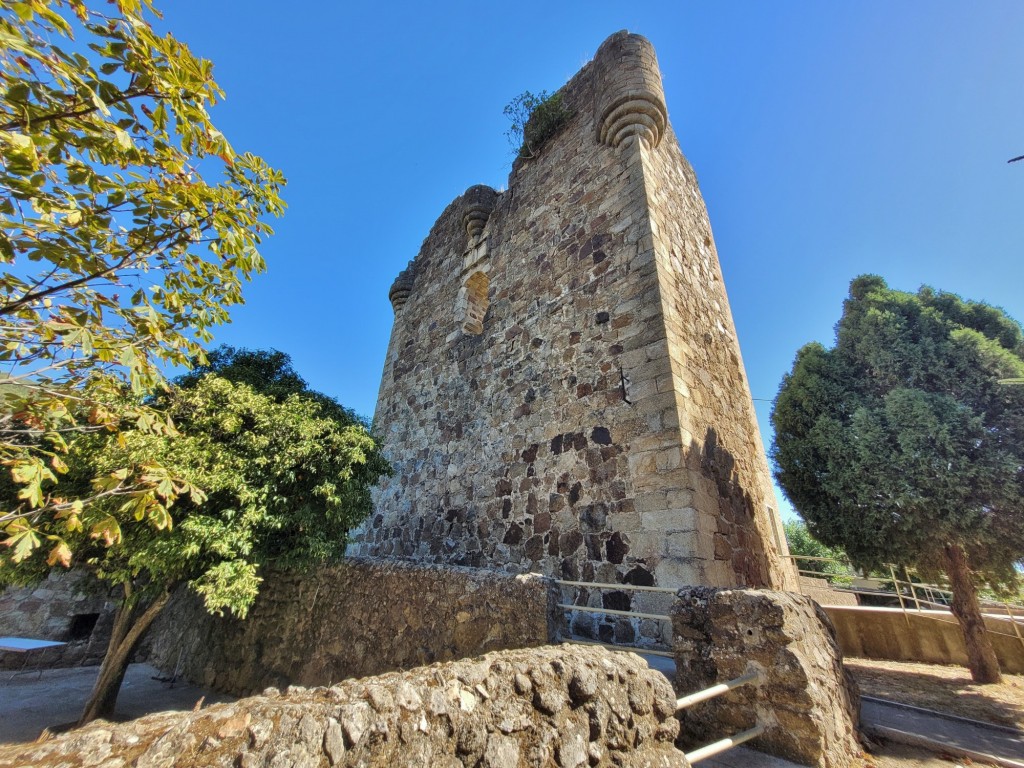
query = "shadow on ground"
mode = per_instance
[
  {"x": 942, "y": 688},
  {"x": 31, "y": 702}
]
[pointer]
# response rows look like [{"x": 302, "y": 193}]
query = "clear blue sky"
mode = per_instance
[{"x": 830, "y": 139}]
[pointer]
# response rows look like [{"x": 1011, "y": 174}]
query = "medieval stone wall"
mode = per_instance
[
  {"x": 65, "y": 607},
  {"x": 564, "y": 707},
  {"x": 563, "y": 391},
  {"x": 350, "y": 620},
  {"x": 729, "y": 512}
]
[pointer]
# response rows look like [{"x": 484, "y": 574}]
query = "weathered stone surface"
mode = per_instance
[
  {"x": 563, "y": 391},
  {"x": 359, "y": 618},
  {"x": 808, "y": 703},
  {"x": 65, "y": 607},
  {"x": 378, "y": 722}
]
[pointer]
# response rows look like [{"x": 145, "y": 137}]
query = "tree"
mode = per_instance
[
  {"x": 803, "y": 545},
  {"x": 119, "y": 253},
  {"x": 900, "y": 445},
  {"x": 283, "y": 478}
]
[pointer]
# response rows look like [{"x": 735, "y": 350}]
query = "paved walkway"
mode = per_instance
[
  {"x": 900, "y": 723},
  {"x": 29, "y": 702},
  {"x": 956, "y": 735}
]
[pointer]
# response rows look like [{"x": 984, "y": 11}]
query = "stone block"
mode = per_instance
[{"x": 803, "y": 697}]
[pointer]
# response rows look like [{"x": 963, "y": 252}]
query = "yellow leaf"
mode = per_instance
[{"x": 60, "y": 554}]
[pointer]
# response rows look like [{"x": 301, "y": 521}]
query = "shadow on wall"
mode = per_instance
[{"x": 736, "y": 538}]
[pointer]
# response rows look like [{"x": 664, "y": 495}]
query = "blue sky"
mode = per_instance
[{"x": 830, "y": 140}]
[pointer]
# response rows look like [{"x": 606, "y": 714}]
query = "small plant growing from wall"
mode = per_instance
[{"x": 535, "y": 119}]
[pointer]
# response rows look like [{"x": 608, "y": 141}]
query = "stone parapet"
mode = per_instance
[
  {"x": 361, "y": 617},
  {"x": 566, "y": 707},
  {"x": 805, "y": 699}
]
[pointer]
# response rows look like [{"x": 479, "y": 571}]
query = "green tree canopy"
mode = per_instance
[
  {"x": 899, "y": 444},
  {"x": 283, "y": 480},
  {"x": 121, "y": 247},
  {"x": 807, "y": 550}
]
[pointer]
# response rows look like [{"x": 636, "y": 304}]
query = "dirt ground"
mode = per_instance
[
  {"x": 942, "y": 688},
  {"x": 902, "y": 756}
]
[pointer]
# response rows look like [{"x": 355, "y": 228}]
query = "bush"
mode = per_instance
[{"x": 535, "y": 119}]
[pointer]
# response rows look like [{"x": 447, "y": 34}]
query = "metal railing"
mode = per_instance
[
  {"x": 570, "y": 607},
  {"x": 749, "y": 677},
  {"x": 910, "y": 592},
  {"x": 717, "y": 747}
]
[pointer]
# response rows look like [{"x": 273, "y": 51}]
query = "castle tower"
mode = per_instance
[{"x": 563, "y": 390}]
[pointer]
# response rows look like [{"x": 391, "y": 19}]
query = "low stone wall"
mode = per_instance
[
  {"x": 567, "y": 707},
  {"x": 821, "y": 592},
  {"x": 931, "y": 637},
  {"x": 359, "y": 618},
  {"x": 64, "y": 607},
  {"x": 805, "y": 700}
]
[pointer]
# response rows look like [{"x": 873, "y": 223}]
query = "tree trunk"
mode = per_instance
[
  {"x": 981, "y": 657},
  {"x": 127, "y": 632}
]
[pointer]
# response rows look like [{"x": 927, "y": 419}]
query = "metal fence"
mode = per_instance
[
  {"x": 912, "y": 594},
  {"x": 571, "y": 607},
  {"x": 751, "y": 676}
]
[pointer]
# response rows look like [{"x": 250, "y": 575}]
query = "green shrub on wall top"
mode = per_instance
[{"x": 535, "y": 119}]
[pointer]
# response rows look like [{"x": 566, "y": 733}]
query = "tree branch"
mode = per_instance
[{"x": 23, "y": 123}]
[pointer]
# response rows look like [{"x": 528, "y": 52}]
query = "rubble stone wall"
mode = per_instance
[
  {"x": 567, "y": 707},
  {"x": 351, "y": 620},
  {"x": 805, "y": 699},
  {"x": 65, "y": 608},
  {"x": 563, "y": 391}
]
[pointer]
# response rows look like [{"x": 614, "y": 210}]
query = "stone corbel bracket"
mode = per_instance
[
  {"x": 478, "y": 202},
  {"x": 631, "y": 100},
  {"x": 401, "y": 289}
]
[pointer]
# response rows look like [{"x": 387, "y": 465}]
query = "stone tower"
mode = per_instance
[{"x": 563, "y": 390}]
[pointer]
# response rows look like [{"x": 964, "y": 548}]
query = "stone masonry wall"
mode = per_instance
[
  {"x": 63, "y": 607},
  {"x": 563, "y": 391},
  {"x": 807, "y": 702},
  {"x": 351, "y": 620},
  {"x": 538, "y": 708},
  {"x": 721, "y": 462}
]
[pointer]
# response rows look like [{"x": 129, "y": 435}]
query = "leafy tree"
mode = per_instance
[
  {"x": 283, "y": 479},
  {"x": 900, "y": 445},
  {"x": 268, "y": 371},
  {"x": 119, "y": 252},
  {"x": 802, "y": 544}
]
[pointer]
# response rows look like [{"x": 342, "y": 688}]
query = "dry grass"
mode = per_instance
[{"x": 942, "y": 688}]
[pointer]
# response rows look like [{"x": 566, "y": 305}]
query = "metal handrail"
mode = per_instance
[
  {"x": 714, "y": 691},
  {"x": 920, "y": 585},
  {"x": 898, "y": 585},
  {"x": 629, "y": 587},
  {"x": 715, "y": 748},
  {"x": 613, "y": 612}
]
